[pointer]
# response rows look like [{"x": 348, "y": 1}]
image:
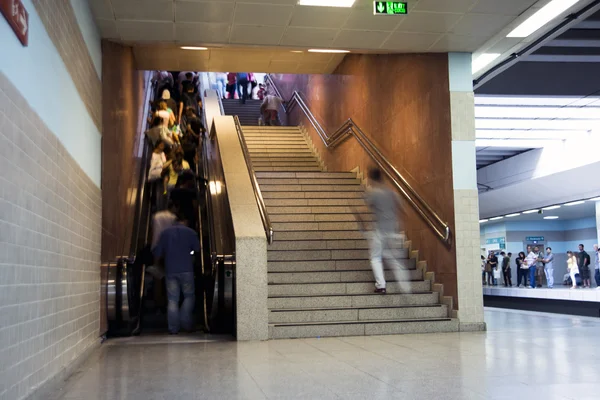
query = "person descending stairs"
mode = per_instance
[{"x": 319, "y": 275}]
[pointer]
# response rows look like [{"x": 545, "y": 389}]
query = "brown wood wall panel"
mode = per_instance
[
  {"x": 402, "y": 102},
  {"x": 123, "y": 97}
]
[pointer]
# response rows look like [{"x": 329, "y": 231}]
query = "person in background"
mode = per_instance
[
  {"x": 177, "y": 245},
  {"x": 189, "y": 99},
  {"x": 166, "y": 114},
  {"x": 573, "y": 268},
  {"x": 183, "y": 78},
  {"x": 158, "y": 168},
  {"x": 385, "y": 204},
  {"x": 242, "y": 86},
  {"x": 583, "y": 262},
  {"x": 531, "y": 262},
  {"x": 539, "y": 268},
  {"x": 506, "y": 269},
  {"x": 158, "y": 132},
  {"x": 171, "y": 104},
  {"x": 597, "y": 266},
  {"x": 194, "y": 130},
  {"x": 261, "y": 92},
  {"x": 549, "y": 267},
  {"x": 521, "y": 270},
  {"x": 253, "y": 84},
  {"x": 500, "y": 257},
  {"x": 185, "y": 197},
  {"x": 175, "y": 169},
  {"x": 221, "y": 81},
  {"x": 483, "y": 263},
  {"x": 231, "y": 85},
  {"x": 163, "y": 80},
  {"x": 270, "y": 109},
  {"x": 492, "y": 265}
]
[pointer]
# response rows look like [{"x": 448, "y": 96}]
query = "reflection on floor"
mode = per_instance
[
  {"x": 523, "y": 355},
  {"x": 557, "y": 293}
]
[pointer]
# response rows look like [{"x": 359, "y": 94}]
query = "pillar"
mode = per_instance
[{"x": 466, "y": 202}]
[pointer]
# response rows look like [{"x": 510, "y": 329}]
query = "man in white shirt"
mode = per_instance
[
  {"x": 499, "y": 265},
  {"x": 270, "y": 109},
  {"x": 531, "y": 261},
  {"x": 597, "y": 266}
]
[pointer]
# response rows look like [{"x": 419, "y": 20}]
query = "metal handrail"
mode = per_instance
[
  {"x": 262, "y": 207},
  {"x": 349, "y": 128}
]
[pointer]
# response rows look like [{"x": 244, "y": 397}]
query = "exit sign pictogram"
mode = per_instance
[{"x": 390, "y": 8}]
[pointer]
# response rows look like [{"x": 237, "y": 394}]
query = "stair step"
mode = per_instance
[
  {"x": 301, "y": 316},
  {"x": 357, "y": 300},
  {"x": 282, "y": 157},
  {"x": 316, "y": 226},
  {"x": 313, "y": 195},
  {"x": 287, "y": 168},
  {"x": 316, "y": 217},
  {"x": 362, "y": 328},
  {"x": 307, "y": 255},
  {"x": 313, "y": 202},
  {"x": 317, "y": 210},
  {"x": 330, "y": 265},
  {"x": 314, "y": 188},
  {"x": 336, "y": 276},
  {"x": 342, "y": 288},
  {"x": 318, "y": 235},
  {"x": 310, "y": 181},
  {"x": 287, "y": 245},
  {"x": 305, "y": 175}
]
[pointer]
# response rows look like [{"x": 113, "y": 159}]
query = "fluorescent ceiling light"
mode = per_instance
[
  {"x": 536, "y": 100},
  {"x": 536, "y": 112},
  {"x": 514, "y": 143},
  {"x": 529, "y": 134},
  {"x": 481, "y": 221},
  {"x": 327, "y": 51},
  {"x": 296, "y": 51},
  {"x": 482, "y": 61},
  {"x": 193, "y": 48},
  {"x": 542, "y": 17},
  {"x": 496, "y": 218},
  {"x": 551, "y": 208},
  {"x": 327, "y": 3},
  {"x": 551, "y": 217},
  {"x": 530, "y": 211},
  {"x": 513, "y": 215},
  {"x": 595, "y": 199},
  {"x": 574, "y": 203},
  {"x": 537, "y": 124}
]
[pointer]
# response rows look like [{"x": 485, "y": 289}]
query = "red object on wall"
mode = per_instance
[{"x": 17, "y": 17}]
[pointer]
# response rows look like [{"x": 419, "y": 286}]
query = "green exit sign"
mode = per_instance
[{"x": 390, "y": 8}]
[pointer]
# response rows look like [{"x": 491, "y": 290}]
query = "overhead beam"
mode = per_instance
[
  {"x": 588, "y": 24},
  {"x": 563, "y": 58},
  {"x": 573, "y": 43}
]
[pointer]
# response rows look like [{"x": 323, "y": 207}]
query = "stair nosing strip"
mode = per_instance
[
  {"x": 277, "y": 310},
  {"x": 308, "y": 296},
  {"x": 391, "y": 321}
]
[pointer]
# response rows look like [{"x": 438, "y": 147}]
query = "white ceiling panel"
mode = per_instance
[
  {"x": 193, "y": 11},
  {"x": 199, "y": 33},
  {"x": 146, "y": 31},
  {"x": 143, "y": 10},
  {"x": 456, "y": 6},
  {"x": 360, "y": 39},
  {"x": 461, "y": 43},
  {"x": 361, "y": 19},
  {"x": 263, "y": 14},
  {"x": 108, "y": 28},
  {"x": 283, "y": 67},
  {"x": 480, "y": 24},
  {"x": 320, "y": 17},
  {"x": 309, "y": 37},
  {"x": 429, "y": 22},
  {"x": 410, "y": 42},
  {"x": 260, "y": 35},
  {"x": 503, "y": 7},
  {"x": 102, "y": 9}
]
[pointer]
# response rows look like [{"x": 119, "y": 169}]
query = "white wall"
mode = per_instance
[
  {"x": 40, "y": 75},
  {"x": 90, "y": 32}
]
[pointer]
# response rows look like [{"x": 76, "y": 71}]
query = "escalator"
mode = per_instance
[{"x": 129, "y": 307}]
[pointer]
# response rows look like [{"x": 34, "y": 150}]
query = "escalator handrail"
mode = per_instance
[
  {"x": 350, "y": 128},
  {"x": 260, "y": 201}
]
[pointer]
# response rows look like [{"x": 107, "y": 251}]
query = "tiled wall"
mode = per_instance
[
  {"x": 123, "y": 89},
  {"x": 60, "y": 22},
  {"x": 50, "y": 224},
  {"x": 403, "y": 103}
]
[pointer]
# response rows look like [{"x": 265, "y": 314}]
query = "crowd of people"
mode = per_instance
[
  {"x": 175, "y": 134},
  {"x": 534, "y": 265}
]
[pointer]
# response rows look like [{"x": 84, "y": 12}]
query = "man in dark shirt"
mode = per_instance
[
  {"x": 583, "y": 262},
  {"x": 493, "y": 263},
  {"x": 189, "y": 98},
  {"x": 177, "y": 245},
  {"x": 506, "y": 271},
  {"x": 185, "y": 197}
]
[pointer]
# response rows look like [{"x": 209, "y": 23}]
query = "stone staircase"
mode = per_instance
[
  {"x": 247, "y": 113},
  {"x": 320, "y": 279}
]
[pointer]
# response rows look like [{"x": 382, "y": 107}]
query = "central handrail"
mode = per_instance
[
  {"x": 350, "y": 128},
  {"x": 262, "y": 207}
]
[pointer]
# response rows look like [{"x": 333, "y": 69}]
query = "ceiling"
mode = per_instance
[
  {"x": 577, "y": 211},
  {"x": 430, "y": 26}
]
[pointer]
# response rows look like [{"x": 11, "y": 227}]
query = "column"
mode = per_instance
[{"x": 466, "y": 202}]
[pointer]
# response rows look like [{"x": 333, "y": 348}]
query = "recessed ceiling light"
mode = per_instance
[
  {"x": 551, "y": 217},
  {"x": 481, "y": 221},
  {"x": 327, "y": 51},
  {"x": 530, "y": 211},
  {"x": 326, "y": 3},
  {"x": 551, "y": 208},
  {"x": 595, "y": 199},
  {"x": 541, "y": 18},
  {"x": 496, "y": 218},
  {"x": 296, "y": 51},
  {"x": 482, "y": 61},
  {"x": 574, "y": 203},
  {"x": 193, "y": 48},
  {"x": 513, "y": 215}
]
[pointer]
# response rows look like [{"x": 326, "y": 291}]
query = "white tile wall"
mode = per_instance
[{"x": 50, "y": 226}]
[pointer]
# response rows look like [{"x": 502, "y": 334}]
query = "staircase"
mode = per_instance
[
  {"x": 320, "y": 279},
  {"x": 248, "y": 113}
]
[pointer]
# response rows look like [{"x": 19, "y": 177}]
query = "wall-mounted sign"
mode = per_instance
[
  {"x": 17, "y": 17},
  {"x": 534, "y": 238},
  {"x": 390, "y": 8},
  {"x": 500, "y": 241}
]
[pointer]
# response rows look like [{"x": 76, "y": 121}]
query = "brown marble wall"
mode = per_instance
[
  {"x": 123, "y": 89},
  {"x": 402, "y": 102}
]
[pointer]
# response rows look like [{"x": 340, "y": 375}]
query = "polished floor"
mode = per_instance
[{"x": 523, "y": 355}]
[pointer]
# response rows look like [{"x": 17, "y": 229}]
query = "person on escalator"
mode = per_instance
[
  {"x": 185, "y": 197},
  {"x": 177, "y": 246},
  {"x": 270, "y": 110}
]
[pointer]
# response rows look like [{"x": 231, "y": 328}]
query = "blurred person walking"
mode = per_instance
[
  {"x": 270, "y": 110},
  {"x": 573, "y": 268},
  {"x": 521, "y": 270},
  {"x": 506, "y": 271},
  {"x": 242, "y": 86},
  {"x": 597, "y": 266},
  {"x": 549, "y": 267},
  {"x": 531, "y": 262},
  {"x": 231, "y": 85}
]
